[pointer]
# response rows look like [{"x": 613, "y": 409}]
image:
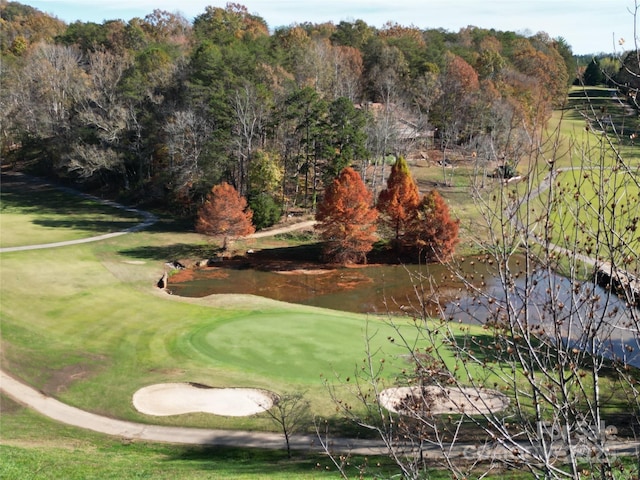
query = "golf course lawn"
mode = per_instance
[
  {"x": 31, "y": 215},
  {"x": 86, "y": 324},
  {"x": 596, "y": 179},
  {"x": 35, "y": 447},
  {"x": 598, "y": 201}
]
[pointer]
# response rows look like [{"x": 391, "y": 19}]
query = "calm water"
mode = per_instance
[{"x": 370, "y": 289}]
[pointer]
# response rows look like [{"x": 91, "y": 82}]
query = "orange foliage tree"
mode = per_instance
[
  {"x": 431, "y": 231},
  {"x": 224, "y": 212},
  {"x": 462, "y": 77},
  {"x": 398, "y": 201},
  {"x": 346, "y": 219}
]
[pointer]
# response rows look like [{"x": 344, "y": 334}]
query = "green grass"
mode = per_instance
[
  {"x": 34, "y": 447},
  {"x": 601, "y": 194},
  {"x": 30, "y": 216},
  {"x": 594, "y": 201},
  {"x": 86, "y": 324},
  {"x": 579, "y": 134},
  {"x": 83, "y": 317}
]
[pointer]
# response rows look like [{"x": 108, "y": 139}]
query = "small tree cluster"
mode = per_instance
[
  {"x": 422, "y": 227},
  {"x": 348, "y": 222}
]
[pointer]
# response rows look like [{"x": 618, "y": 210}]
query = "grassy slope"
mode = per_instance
[
  {"x": 123, "y": 338},
  {"x": 96, "y": 317},
  {"x": 85, "y": 323},
  {"x": 584, "y": 191},
  {"x": 34, "y": 447},
  {"x": 45, "y": 215}
]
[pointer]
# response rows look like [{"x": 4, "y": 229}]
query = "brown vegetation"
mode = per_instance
[
  {"x": 224, "y": 212},
  {"x": 347, "y": 220}
]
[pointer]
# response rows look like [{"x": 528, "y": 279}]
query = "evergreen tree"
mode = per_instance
[
  {"x": 346, "y": 136},
  {"x": 593, "y": 73},
  {"x": 225, "y": 212},
  {"x": 347, "y": 221},
  {"x": 397, "y": 202}
]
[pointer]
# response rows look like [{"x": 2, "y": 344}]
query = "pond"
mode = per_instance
[{"x": 362, "y": 289}]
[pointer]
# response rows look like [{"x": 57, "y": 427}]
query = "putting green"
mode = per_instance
[{"x": 291, "y": 346}]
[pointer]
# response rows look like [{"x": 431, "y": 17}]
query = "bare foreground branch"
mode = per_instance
[{"x": 557, "y": 334}]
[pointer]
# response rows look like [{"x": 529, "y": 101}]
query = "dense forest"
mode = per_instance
[{"x": 159, "y": 109}]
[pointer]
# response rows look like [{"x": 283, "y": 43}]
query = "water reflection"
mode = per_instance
[
  {"x": 370, "y": 289},
  {"x": 588, "y": 316}
]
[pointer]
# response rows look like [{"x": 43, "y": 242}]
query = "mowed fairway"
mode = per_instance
[
  {"x": 87, "y": 325},
  {"x": 32, "y": 214},
  {"x": 596, "y": 186}
]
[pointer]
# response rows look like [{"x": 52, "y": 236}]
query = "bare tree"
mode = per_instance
[
  {"x": 105, "y": 115},
  {"x": 50, "y": 82},
  {"x": 291, "y": 412},
  {"x": 100, "y": 108},
  {"x": 313, "y": 66},
  {"x": 187, "y": 136},
  {"x": 347, "y": 65},
  {"x": 250, "y": 109}
]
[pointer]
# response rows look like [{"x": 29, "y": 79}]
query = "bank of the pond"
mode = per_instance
[{"x": 371, "y": 289}]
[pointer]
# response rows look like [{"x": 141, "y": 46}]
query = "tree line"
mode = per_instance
[{"x": 160, "y": 108}]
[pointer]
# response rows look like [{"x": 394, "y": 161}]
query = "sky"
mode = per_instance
[{"x": 589, "y": 26}]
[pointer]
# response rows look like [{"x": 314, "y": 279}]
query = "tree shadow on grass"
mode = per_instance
[
  {"x": 166, "y": 253},
  {"x": 242, "y": 462},
  {"x": 52, "y": 201},
  {"x": 94, "y": 225},
  {"x": 245, "y": 462},
  {"x": 280, "y": 258},
  {"x": 483, "y": 347}
]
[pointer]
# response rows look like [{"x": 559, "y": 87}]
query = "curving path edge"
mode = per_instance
[
  {"x": 76, "y": 417},
  {"x": 148, "y": 220}
]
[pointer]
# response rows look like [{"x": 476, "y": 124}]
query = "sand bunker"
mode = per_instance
[
  {"x": 176, "y": 398},
  {"x": 437, "y": 400}
]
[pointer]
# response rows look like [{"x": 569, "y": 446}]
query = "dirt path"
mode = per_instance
[{"x": 284, "y": 229}]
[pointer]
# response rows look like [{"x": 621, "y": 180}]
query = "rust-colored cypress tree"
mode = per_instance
[
  {"x": 224, "y": 212},
  {"x": 431, "y": 230},
  {"x": 398, "y": 201},
  {"x": 347, "y": 219}
]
